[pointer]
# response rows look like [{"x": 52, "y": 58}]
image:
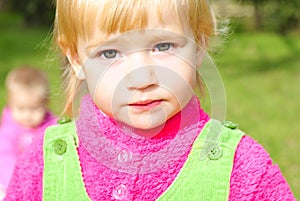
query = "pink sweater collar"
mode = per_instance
[{"x": 113, "y": 143}]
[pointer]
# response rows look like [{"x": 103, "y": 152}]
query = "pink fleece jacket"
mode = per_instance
[
  {"x": 14, "y": 140},
  {"x": 254, "y": 177}
]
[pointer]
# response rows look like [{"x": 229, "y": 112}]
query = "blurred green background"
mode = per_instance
[{"x": 259, "y": 61}]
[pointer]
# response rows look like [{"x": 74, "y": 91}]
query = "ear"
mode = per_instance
[
  {"x": 200, "y": 52},
  {"x": 73, "y": 59},
  {"x": 76, "y": 65}
]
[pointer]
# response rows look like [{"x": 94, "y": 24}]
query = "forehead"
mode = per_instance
[
  {"x": 21, "y": 93},
  {"x": 25, "y": 100}
]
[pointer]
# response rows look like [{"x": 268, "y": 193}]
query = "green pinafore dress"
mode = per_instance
[{"x": 204, "y": 176}]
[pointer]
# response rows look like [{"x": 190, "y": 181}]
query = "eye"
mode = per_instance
[
  {"x": 109, "y": 54},
  {"x": 162, "y": 47}
]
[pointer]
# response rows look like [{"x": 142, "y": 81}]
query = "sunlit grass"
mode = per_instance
[{"x": 261, "y": 73}]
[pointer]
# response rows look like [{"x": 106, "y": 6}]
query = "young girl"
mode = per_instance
[
  {"x": 25, "y": 116},
  {"x": 141, "y": 133}
]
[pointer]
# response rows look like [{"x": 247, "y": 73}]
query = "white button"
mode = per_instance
[
  {"x": 120, "y": 192},
  {"x": 124, "y": 156},
  {"x": 60, "y": 158}
]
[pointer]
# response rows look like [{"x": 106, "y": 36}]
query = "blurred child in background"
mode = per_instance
[{"x": 25, "y": 116}]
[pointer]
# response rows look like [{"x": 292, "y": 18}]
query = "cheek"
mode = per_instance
[
  {"x": 40, "y": 115},
  {"x": 183, "y": 84},
  {"x": 103, "y": 92},
  {"x": 16, "y": 114},
  {"x": 179, "y": 74},
  {"x": 102, "y": 98}
]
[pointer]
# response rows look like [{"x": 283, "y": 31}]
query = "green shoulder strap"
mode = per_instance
[
  {"x": 207, "y": 178},
  {"x": 62, "y": 179}
]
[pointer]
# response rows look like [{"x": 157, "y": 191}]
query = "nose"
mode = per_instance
[{"x": 141, "y": 72}]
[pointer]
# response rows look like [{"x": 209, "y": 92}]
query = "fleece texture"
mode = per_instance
[
  {"x": 210, "y": 175},
  {"x": 104, "y": 149},
  {"x": 14, "y": 140}
]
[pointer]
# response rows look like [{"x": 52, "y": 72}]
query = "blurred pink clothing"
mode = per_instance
[{"x": 14, "y": 140}]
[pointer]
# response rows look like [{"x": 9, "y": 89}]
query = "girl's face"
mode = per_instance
[
  {"x": 28, "y": 109},
  {"x": 141, "y": 78}
]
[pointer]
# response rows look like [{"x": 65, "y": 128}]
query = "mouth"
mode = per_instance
[{"x": 145, "y": 105}]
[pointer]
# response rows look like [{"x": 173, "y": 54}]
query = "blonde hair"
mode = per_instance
[
  {"x": 78, "y": 18},
  {"x": 29, "y": 79}
]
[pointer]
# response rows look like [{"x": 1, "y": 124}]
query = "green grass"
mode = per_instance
[
  {"x": 261, "y": 73},
  {"x": 23, "y": 46}
]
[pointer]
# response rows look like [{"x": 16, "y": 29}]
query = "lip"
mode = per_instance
[{"x": 145, "y": 104}]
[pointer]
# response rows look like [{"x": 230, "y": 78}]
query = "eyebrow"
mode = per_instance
[
  {"x": 96, "y": 43},
  {"x": 156, "y": 36}
]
